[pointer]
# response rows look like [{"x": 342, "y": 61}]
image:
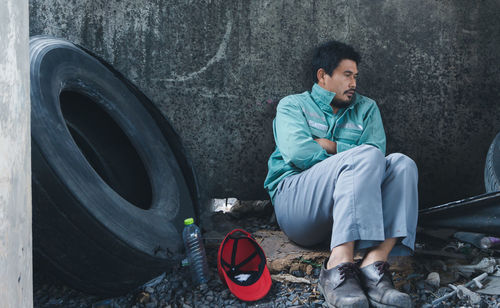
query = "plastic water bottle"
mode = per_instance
[
  {"x": 470, "y": 237},
  {"x": 489, "y": 241},
  {"x": 195, "y": 252},
  {"x": 479, "y": 240}
]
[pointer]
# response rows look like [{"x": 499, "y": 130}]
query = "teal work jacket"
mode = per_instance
[{"x": 301, "y": 118}]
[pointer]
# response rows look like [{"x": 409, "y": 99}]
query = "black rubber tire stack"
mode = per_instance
[
  {"x": 111, "y": 181},
  {"x": 492, "y": 167}
]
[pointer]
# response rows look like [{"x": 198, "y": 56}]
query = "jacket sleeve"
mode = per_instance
[
  {"x": 293, "y": 137},
  {"x": 373, "y": 133}
]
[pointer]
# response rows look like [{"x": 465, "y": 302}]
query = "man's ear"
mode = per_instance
[{"x": 320, "y": 75}]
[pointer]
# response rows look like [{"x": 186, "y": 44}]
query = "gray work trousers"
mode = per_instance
[{"x": 357, "y": 195}]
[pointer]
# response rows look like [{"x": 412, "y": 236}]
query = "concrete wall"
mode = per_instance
[
  {"x": 216, "y": 69},
  {"x": 16, "y": 279}
]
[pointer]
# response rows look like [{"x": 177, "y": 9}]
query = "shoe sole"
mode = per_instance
[
  {"x": 323, "y": 293},
  {"x": 380, "y": 305},
  {"x": 327, "y": 303}
]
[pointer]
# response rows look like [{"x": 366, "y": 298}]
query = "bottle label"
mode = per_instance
[{"x": 494, "y": 240}]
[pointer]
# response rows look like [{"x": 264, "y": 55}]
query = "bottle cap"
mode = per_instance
[{"x": 188, "y": 221}]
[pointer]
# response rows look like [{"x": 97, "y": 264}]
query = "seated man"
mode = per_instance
[{"x": 329, "y": 177}]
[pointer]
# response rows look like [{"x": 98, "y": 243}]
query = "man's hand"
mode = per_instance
[{"x": 328, "y": 145}]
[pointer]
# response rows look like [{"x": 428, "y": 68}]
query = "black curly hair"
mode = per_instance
[{"x": 328, "y": 56}]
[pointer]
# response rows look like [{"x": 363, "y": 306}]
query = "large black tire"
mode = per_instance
[
  {"x": 492, "y": 167},
  {"x": 111, "y": 181}
]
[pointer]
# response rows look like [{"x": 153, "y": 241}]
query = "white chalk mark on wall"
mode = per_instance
[{"x": 221, "y": 54}]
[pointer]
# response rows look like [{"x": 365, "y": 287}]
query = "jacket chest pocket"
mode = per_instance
[
  {"x": 349, "y": 135},
  {"x": 318, "y": 130}
]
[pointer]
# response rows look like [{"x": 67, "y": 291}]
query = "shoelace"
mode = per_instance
[
  {"x": 349, "y": 270},
  {"x": 382, "y": 267}
]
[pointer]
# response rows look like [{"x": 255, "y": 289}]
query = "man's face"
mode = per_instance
[{"x": 342, "y": 82}]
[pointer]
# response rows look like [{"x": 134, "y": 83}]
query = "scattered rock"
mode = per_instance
[
  {"x": 225, "y": 293},
  {"x": 294, "y": 267},
  {"x": 289, "y": 278},
  {"x": 433, "y": 280},
  {"x": 151, "y": 304},
  {"x": 407, "y": 288},
  {"x": 174, "y": 289},
  {"x": 309, "y": 269},
  {"x": 298, "y": 273},
  {"x": 420, "y": 285}
]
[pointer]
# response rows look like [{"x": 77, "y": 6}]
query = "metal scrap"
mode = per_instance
[
  {"x": 471, "y": 214},
  {"x": 497, "y": 271},
  {"x": 487, "y": 265},
  {"x": 492, "y": 287},
  {"x": 473, "y": 297},
  {"x": 474, "y": 282},
  {"x": 153, "y": 282}
]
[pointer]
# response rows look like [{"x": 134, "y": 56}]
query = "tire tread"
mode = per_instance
[{"x": 491, "y": 176}]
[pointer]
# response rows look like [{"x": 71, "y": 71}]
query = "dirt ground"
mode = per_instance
[{"x": 294, "y": 270}]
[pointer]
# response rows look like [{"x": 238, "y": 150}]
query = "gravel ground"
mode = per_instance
[{"x": 174, "y": 290}]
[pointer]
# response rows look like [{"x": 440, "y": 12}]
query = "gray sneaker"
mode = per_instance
[
  {"x": 340, "y": 286},
  {"x": 377, "y": 282}
]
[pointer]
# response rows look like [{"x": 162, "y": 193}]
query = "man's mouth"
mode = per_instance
[{"x": 350, "y": 92}]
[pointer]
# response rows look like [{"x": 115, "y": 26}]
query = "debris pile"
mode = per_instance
[
  {"x": 461, "y": 272},
  {"x": 447, "y": 270}
]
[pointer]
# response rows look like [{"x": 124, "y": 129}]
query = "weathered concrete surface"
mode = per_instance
[
  {"x": 16, "y": 282},
  {"x": 216, "y": 68}
]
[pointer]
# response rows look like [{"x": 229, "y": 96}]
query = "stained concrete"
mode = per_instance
[
  {"x": 16, "y": 282},
  {"x": 217, "y": 68}
]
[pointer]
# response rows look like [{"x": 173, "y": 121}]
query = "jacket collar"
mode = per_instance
[{"x": 323, "y": 98}]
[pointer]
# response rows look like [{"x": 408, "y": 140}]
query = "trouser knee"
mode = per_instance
[
  {"x": 402, "y": 164},
  {"x": 371, "y": 158}
]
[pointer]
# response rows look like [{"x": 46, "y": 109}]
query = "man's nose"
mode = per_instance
[{"x": 352, "y": 83}]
